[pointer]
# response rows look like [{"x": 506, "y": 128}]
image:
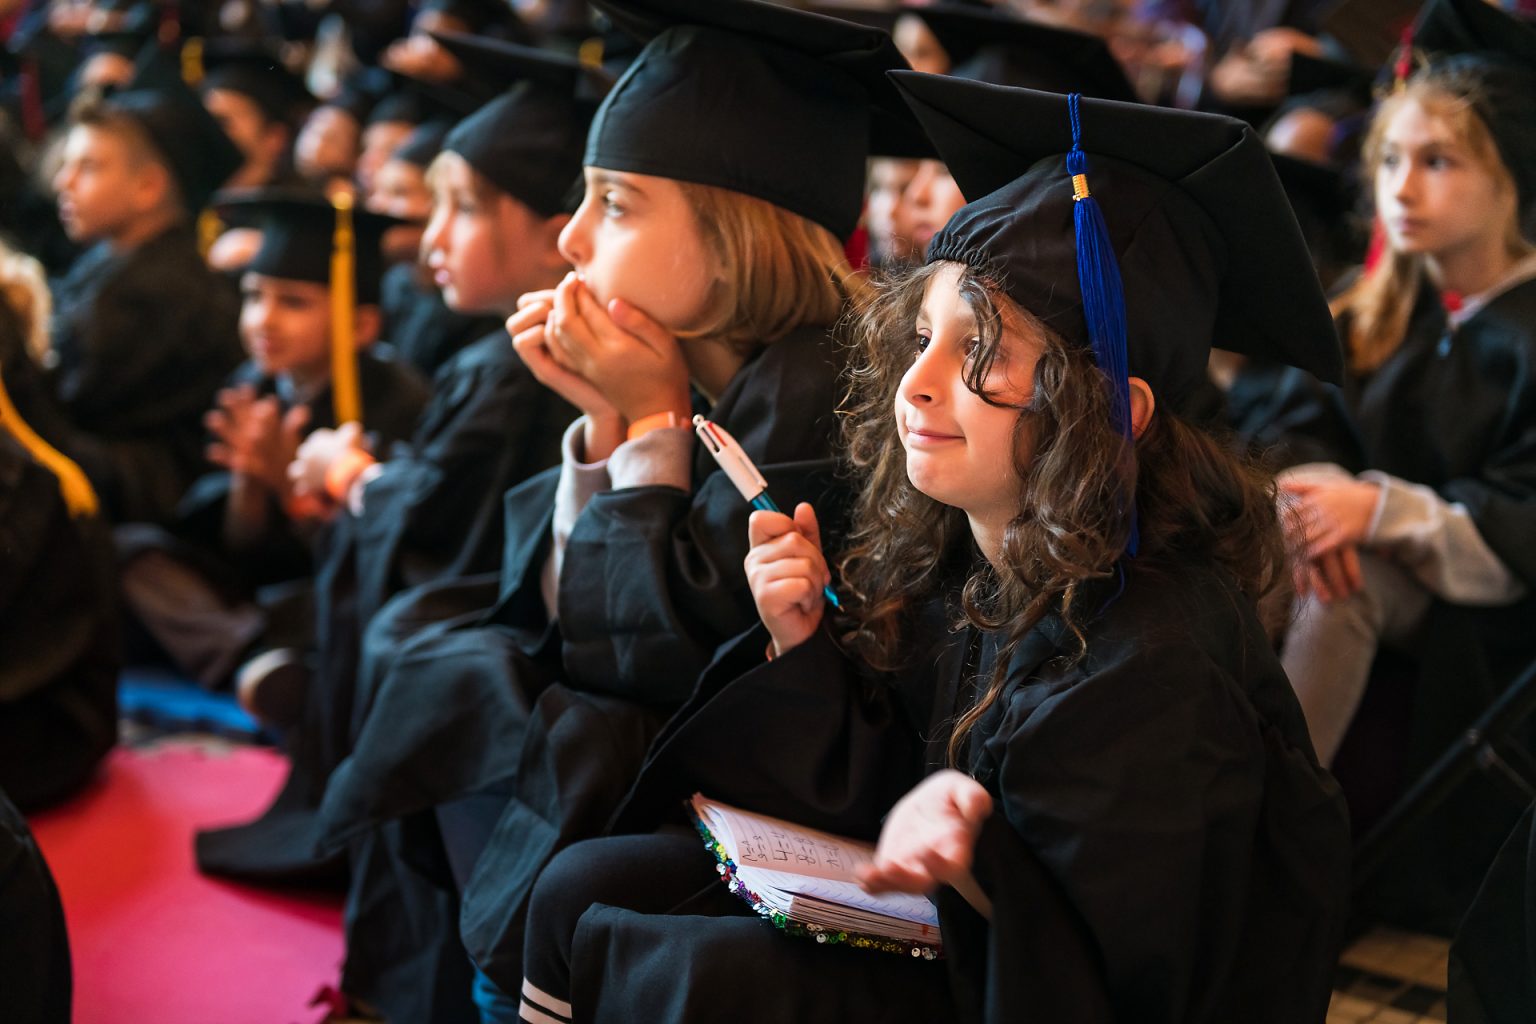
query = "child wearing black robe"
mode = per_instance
[
  {"x": 1417, "y": 502},
  {"x": 1096, "y": 744},
  {"x": 620, "y": 574},
  {"x": 34, "y": 945},
  {"x": 59, "y": 655},
  {"x": 143, "y": 331},
  {"x": 240, "y": 527},
  {"x": 431, "y": 510}
]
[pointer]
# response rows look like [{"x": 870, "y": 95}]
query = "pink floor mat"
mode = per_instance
[{"x": 154, "y": 941}]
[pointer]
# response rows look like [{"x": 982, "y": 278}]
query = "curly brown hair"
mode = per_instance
[{"x": 1195, "y": 495}]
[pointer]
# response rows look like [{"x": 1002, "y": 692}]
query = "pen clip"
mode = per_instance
[{"x": 731, "y": 458}]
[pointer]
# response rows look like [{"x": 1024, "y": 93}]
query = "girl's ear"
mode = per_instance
[{"x": 1143, "y": 403}]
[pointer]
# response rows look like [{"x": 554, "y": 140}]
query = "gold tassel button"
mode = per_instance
[
  {"x": 1080, "y": 188},
  {"x": 345, "y": 390}
]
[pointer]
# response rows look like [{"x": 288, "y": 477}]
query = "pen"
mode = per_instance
[{"x": 743, "y": 474}]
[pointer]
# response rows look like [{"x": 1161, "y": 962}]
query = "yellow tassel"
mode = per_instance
[
  {"x": 209, "y": 228},
  {"x": 1080, "y": 188},
  {"x": 79, "y": 496},
  {"x": 590, "y": 53},
  {"x": 192, "y": 61},
  {"x": 347, "y": 396}
]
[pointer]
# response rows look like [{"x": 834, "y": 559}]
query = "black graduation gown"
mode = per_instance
[
  {"x": 393, "y": 395},
  {"x": 143, "y": 340},
  {"x": 651, "y": 584},
  {"x": 1492, "y": 976},
  {"x": 435, "y": 513},
  {"x": 59, "y": 654},
  {"x": 35, "y": 976},
  {"x": 420, "y": 326},
  {"x": 1163, "y": 846},
  {"x": 1456, "y": 411}
]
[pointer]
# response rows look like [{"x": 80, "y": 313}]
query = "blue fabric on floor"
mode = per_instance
[{"x": 166, "y": 701}]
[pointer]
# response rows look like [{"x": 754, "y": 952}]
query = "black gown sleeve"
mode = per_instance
[
  {"x": 59, "y": 654},
  {"x": 1159, "y": 813},
  {"x": 34, "y": 946},
  {"x": 805, "y": 737},
  {"x": 652, "y": 580},
  {"x": 144, "y": 354},
  {"x": 435, "y": 510}
]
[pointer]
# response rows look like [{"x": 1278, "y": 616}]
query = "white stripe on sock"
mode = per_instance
[
  {"x": 527, "y": 1011},
  {"x": 538, "y": 995}
]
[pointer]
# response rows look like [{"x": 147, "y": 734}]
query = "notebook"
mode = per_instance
[{"x": 803, "y": 881}]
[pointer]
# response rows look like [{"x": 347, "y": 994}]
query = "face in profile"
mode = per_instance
[
  {"x": 483, "y": 247},
  {"x": 101, "y": 171},
  {"x": 636, "y": 237}
]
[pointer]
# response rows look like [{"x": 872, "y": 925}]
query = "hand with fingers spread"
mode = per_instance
[
  {"x": 1330, "y": 517},
  {"x": 255, "y": 438},
  {"x": 929, "y": 837},
  {"x": 634, "y": 361},
  {"x": 529, "y": 328},
  {"x": 787, "y": 571},
  {"x": 226, "y": 421}
]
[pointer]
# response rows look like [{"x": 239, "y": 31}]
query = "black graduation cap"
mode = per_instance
[
  {"x": 416, "y": 103},
  {"x": 1311, "y": 74},
  {"x": 497, "y": 63},
  {"x": 1370, "y": 30},
  {"x": 1318, "y": 191},
  {"x": 990, "y": 46},
  {"x": 195, "y": 149},
  {"x": 354, "y": 100},
  {"x": 252, "y": 70},
  {"x": 299, "y": 236},
  {"x": 423, "y": 144},
  {"x": 1203, "y": 243},
  {"x": 1498, "y": 50},
  {"x": 528, "y": 141},
  {"x": 757, "y": 98},
  {"x": 481, "y": 16},
  {"x": 1447, "y": 27},
  {"x": 158, "y": 67}
]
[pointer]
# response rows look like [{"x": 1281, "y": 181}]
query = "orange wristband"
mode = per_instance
[
  {"x": 304, "y": 506},
  {"x": 340, "y": 474},
  {"x": 655, "y": 421}
]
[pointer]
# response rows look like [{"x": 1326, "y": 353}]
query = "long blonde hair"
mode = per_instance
[
  {"x": 1376, "y": 308},
  {"x": 780, "y": 271}
]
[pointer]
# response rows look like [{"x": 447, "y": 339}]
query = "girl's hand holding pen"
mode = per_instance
[{"x": 787, "y": 573}]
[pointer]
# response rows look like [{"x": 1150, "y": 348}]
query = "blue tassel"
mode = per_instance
[{"x": 1098, "y": 278}]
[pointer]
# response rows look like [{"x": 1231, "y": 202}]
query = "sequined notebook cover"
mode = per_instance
[{"x": 804, "y": 882}]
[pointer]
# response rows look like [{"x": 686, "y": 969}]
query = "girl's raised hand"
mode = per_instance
[
  {"x": 929, "y": 837},
  {"x": 634, "y": 361},
  {"x": 787, "y": 571},
  {"x": 530, "y": 338}
]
